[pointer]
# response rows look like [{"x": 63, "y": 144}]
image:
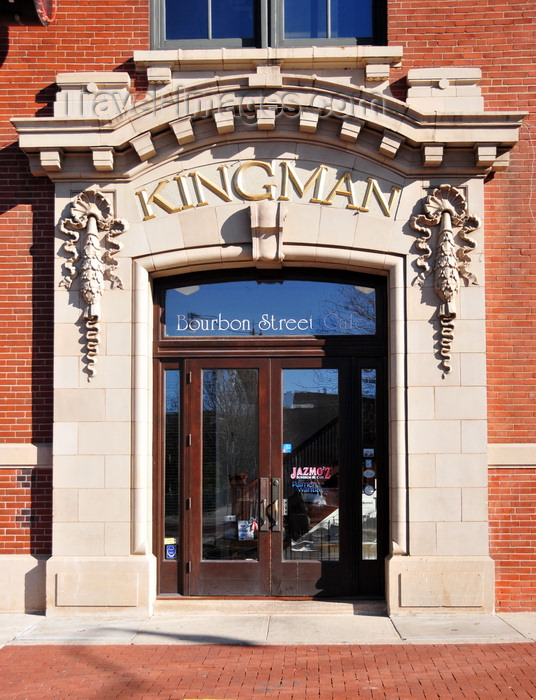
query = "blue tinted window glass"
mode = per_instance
[
  {"x": 232, "y": 18},
  {"x": 351, "y": 18},
  {"x": 186, "y": 19},
  {"x": 290, "y": 307},
  {"x": 305, "y": 19}
]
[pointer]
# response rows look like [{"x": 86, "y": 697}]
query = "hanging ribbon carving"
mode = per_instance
[
  {"x": 446, "y": 207},
  {"x": 91, "y": 218}
]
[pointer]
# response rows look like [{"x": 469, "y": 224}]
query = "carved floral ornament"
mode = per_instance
[
  {"x": 446, "y": 207},
  {"x": 91, "y": 246},
  {"x": 90, "y": 260}
]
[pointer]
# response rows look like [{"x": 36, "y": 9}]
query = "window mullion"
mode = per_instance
[
  {"x": 265, "y": 24},
  {"x": 209, "y": 19},
  {"x": 328, "y": 19}
]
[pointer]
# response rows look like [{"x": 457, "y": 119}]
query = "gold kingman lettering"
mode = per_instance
[
  {"x": 185, "y": 192},
  {"x": 155, "y": 198},
  {"x": 239, "y": 181},
  {"x": 222, "y": 192},
  {"x": 348, "y": 192},
  {"x": 372, "y": 187},
  {"x": 290, "y": 174}
]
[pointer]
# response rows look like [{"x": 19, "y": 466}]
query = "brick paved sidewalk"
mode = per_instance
[{"x": 325, "y": 672}]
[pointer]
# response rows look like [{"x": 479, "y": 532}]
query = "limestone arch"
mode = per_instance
[{"x": 323, "y": 257}]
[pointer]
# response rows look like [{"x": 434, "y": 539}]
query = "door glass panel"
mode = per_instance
[
  {"x": 230, "y": 464},
  {"x": 310, "y": 464},
  {"x": 171, "y": 478},
  {"x": 369, "y": 495}
]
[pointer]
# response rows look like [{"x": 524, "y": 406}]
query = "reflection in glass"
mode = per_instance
[
  {"x": 320, "y": 19},
  {"x": 186, "y": 19},
  {"x": 311, "y": 464},
  {"x": 230, "y": 464},
  {"x": 251, "y": 308},
  {"x": 209, "y": 19},
  {"x": 232, "y": 18},
  {"x": 369, "y": 497},
  {"x": 171, "y": 453},
  {"x": 351, "y": 18},
  {"x": 305, "y": 19}
]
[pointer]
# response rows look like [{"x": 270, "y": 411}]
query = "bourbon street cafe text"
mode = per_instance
[{"x": 254, "y": 180}]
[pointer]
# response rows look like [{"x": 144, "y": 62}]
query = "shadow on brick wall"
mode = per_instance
[{"x": 27, "y": 257}]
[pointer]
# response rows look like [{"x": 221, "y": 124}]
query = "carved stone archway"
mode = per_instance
[{"x": 269, "y": 158}]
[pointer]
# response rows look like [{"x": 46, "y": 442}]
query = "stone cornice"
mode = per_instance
[
  {"x": 315, "y": 57},
  {"x": 97, "y": 121},
  {"x": 25, "y": 455}
]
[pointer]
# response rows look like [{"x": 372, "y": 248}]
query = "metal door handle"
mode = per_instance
[
  {"x": 263, "y": 505},
  {"x": 274, "y": 506},
  {"x": 269, "y": 505}
]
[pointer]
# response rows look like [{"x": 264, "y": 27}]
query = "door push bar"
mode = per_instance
[{"x": 270, "y": 514}]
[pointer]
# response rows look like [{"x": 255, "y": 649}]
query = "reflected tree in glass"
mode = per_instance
[{"x": 230, "y": 463}]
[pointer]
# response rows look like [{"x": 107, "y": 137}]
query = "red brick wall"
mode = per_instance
[
  {"x": 498, "y": 37},
  {"x": 512, "y": 513},
  {"x": 87, "y": 36},
  {"x": 25, "y": 511}
]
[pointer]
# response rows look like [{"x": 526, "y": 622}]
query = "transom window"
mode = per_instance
[{"x": 261, "y": 23}]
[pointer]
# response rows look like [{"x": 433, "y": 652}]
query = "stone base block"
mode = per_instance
[
  {"x": 428, "y": 584},
  {"x": 23, "y": 583},
  {"x": 115, "y": 585}
]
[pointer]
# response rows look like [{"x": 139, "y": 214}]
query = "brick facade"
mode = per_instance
[
  {"x": 512, "y": 494},
  {"x": 26, "y": 511},
  {"x": 497, "y": 37}
]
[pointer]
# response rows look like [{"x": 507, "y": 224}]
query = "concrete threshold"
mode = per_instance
[
  {"x": 268, "y": 622},
  {"x": 268, "y": 606}
]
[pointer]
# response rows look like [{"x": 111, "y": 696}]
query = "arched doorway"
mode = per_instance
[{"x": 271, "y": 434}]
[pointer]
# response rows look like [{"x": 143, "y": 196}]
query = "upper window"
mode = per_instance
[{"x": 260, "y": 23}]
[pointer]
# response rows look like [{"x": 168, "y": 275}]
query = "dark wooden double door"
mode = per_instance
[{"x": 274, "y": 480}]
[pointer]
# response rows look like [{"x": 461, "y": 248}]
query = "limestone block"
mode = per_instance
[
  {"x": 74, "y": 405},
  {"x": 462, "y": 403},
  {"x": 422, "y": 538},
  {"x": 421, "y": 403},
  {"x": 435, "y": 504},
  {"x": 103, "y": 159},
  {"x": 117, "y": 471},
  {"x": 462, "y": 538},
  {"x": 78, "y": 539},
  {"x": 98, "y": 438},
  {"x": 474, "y": 436},
  {"x": 23, "y": 584},
  {"x": 422, "y": 470},
  {"x": 143, "y": 145},
  {"x": 78, "y": 471},
  {"x": 104, "y": 505},
  {"x": 97, "y": 589},
  {"x": 463, "y": 470},
  {"x": 439, "y": 583},
  {"x": 435, "y": 436}
]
